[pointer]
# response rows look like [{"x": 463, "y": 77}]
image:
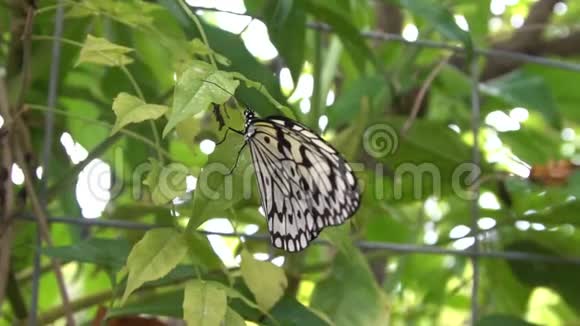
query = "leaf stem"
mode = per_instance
[
  {"x": 151, "y": 122},
  {"x": 316, "y": 102},
  {"x": 43, "y": 10},
  {"x": 200, "y": 28}
]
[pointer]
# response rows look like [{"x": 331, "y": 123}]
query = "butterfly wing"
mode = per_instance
[{"x": 305, "y": 184}]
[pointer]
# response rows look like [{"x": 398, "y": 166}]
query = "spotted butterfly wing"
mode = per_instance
[{"x": 305, "y": 184}]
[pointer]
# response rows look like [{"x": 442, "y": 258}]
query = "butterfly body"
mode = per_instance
[{"x": 305, "y": 184}]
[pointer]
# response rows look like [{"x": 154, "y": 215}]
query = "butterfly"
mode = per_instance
[{"x": 305, "y": 184}]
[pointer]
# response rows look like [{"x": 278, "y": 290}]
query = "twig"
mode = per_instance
[
  {"x": 42, "y": 222},
  {"x": 14, "y": 295},
  {"x": 6, "y": 194},
  {"x": 7, "y": 201},
  {"x": 421, "y": 95},
  {"x": 5, "y": 249},
  {"x": 53, "y": 315},
  {"x": 99, "y": 297},
  {"x": 45, "y": 163},
  {"x": 25, "y": 72},
  {"x": 151, "y": 122},
  {"x": 197, "y": 23},
  {"x": 317, "y": 100}
]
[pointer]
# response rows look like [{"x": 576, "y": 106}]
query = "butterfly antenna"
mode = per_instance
[
  {"x": 237, "y": 159},
  {"x": 225, "y": 91}
]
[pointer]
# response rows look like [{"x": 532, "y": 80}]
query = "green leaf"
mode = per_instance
[
  {"x": 197, "y": 47},
  {"x": 166, "y": 183},
  {"x": 199, "y": 86},
  {"x": 202, "y": 253},
  {"x": 153, "y": 176},
  {"x": 164, "y": 304},
  {"x": 288, "y": 311},
  {"x": 560, "y": 277},
  {"x": 349, "y": 295},
  {"x": 153, "y": 257},
  {"x": 266, "y": 280},
  {"x": 204, "y": 303},
  {"x": 84, "y": 132},
  {"x": 346, "y": 107},
  {"x": 502, "y": 320},
  {"x": 131, "y": 109},
  {"x": 286, "y": 21},
  {"x": 563, "y": 86},
  {"x": 171, "y": 184},
  {"x": 441, "y": 19},
  {"x": 520, "y": 88},
  {"x": 545, "y": 147},
  {"x": 424, "y": 161},
  {"x": 217, "y": 192},
  {"x": 513, "y": 296},
  {"x": 109, "y": 253},
  {"x": 392, "y": 227},
  {"x": 258, "y": 86},
  {"x": 233, "y": 318},
  {"x": 132, "y": 13},
  {"x": 82, "y": 9},
  {"x": 242, "y": 60},
  {"x": 100, "y": 51},
  {"x": 179, "y": 274}
]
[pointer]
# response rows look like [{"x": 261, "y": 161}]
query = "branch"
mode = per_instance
[
  {"x": 42, "y": 222},
  {"x": 15, "y": 297},
  {"x": 6, "y": 193},
  {"x": 53, "y": 315},
  {"x": 524, "y": 40},
  {"x": 421, "y": 95},
  {"x": 6, "y": 229},
  {"x": 539, "y": 15},
  {"x": 21, "y": 42},
  {"x": 389, "y": 18},
  {"x": 147, "y": 290},
  {"x": 565, "y": 46}
]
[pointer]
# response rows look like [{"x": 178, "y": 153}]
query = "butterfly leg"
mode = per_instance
[
  {"x": 237, "y": 159},
  {"x": 239, "y": 132}
]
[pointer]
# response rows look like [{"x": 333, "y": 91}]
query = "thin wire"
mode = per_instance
[
  {"x": 45, "y": 159},
  {"x": 394, "y": 247},
  {"x": 476, "y": 158},
  {"x": 377, "y": 35},
  {"x": 381, "y": 36}
]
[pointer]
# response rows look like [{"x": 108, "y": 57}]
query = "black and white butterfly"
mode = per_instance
[{"x": 305, "y": 184}]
